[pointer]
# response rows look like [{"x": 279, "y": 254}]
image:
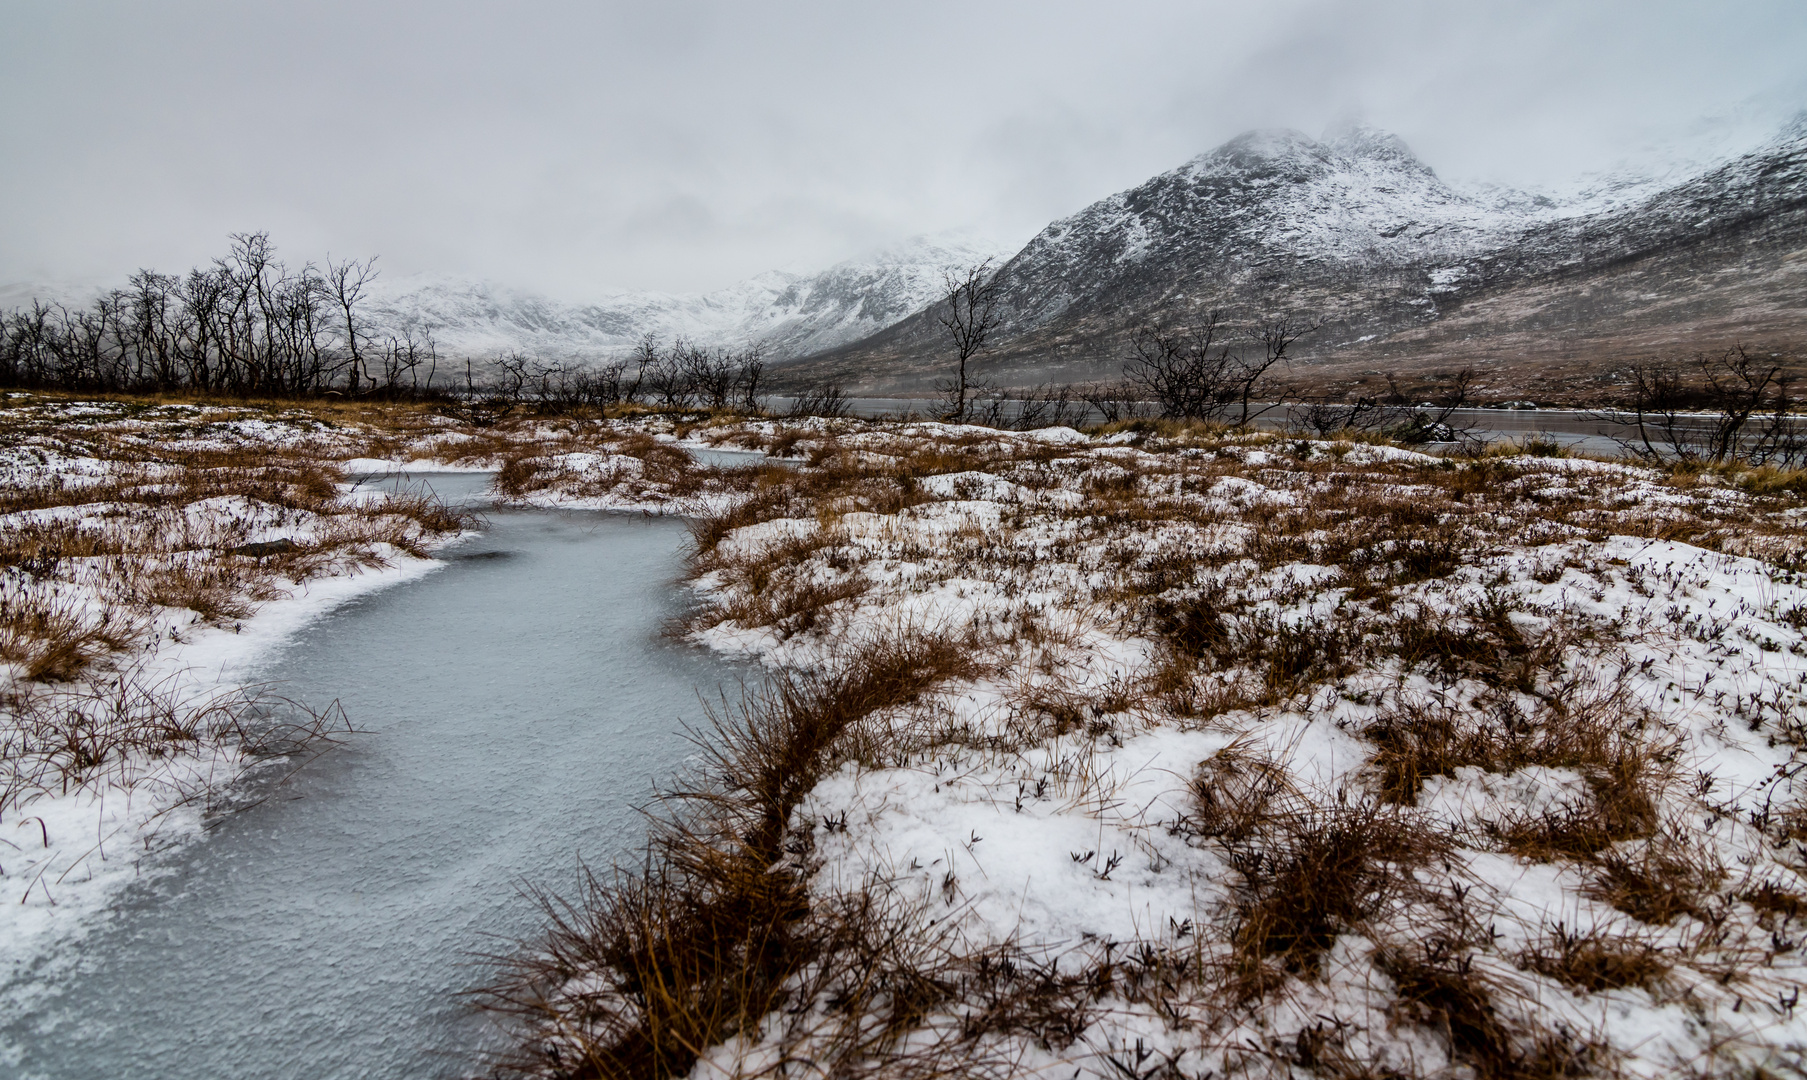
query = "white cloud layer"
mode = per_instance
[{"x": 577, "y": 147}]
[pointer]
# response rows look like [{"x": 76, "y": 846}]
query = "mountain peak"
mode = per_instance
[
  {"x": 1359, "y": 140},
  {"x": 1263, "y": 148}
]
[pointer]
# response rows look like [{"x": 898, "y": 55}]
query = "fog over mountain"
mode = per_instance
[
  {"x": 1351, "y": 230},
  {"x": 787, "y": 315},
  {"x": 580, "y": 149}
]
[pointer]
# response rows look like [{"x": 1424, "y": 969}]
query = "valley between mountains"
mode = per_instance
[{"x": 1404, "y": 273}]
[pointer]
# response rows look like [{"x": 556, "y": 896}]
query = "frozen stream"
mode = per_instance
[{"x": 518, "y": 705}]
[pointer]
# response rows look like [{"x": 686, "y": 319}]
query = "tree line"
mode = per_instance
[
  {"x": 1205, "y": 369},
  {"x": 1729, "y": 407},
  {"x": 682, "y": 375},
  {"x": 249, "y": 324}
]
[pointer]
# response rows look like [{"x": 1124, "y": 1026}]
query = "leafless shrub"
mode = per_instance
[
  {"x": 1113, "y": 402},
  {"x": 1195, "y": 373},
  {"x": 1433, "y": 420},
  {"x": 825, "y": 400},
  {"x": 1727, "y": 407},
  {"x": 1325, "y": 417}
]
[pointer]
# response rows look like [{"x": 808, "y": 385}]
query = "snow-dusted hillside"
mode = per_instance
[
  {"x": 1281, "y": 212},
  {"x": 790, "y": 315},
  {"x": 1358, "y": 198},
  {"x": 1356, "y": 234}
]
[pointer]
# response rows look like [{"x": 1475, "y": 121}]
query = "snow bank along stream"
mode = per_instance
[{"x": 518, "y": 704}]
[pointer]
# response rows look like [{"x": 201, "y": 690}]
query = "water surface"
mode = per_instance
[{"x": 519, "y": 705}]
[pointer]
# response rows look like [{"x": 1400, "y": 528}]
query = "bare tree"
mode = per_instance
[
  {"x": 970, "y": 316},
  {"x": 1201, "y": 372},
  {"x": 1731, "y": 406},
  {"x": 710, "y": 375},
  {"x": 646, "y": 358},
  {"x": 668, "y": 379},
  {"x": 752, "y": 367},
  {"x": 346, "y": 282},
  {"x": 248, "y": 324}
]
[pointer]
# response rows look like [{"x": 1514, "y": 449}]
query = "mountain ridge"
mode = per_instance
[{"x": 1355, "y": 233}]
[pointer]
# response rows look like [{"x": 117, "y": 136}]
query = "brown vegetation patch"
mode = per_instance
[
  {"x": 701, "y": 944},
  {"x": 163, "y": 524},
  {"x": 1439, "y": 986},
  {"x": 1596, "y": 960},
  {"x": 1659, "y": 880},
  {"x": 1310, "y": 873}
]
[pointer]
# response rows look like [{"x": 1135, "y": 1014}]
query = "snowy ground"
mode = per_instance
[
  {"x": 1277, "y": 756},
  {"x": 128, "y": 625},
  {"x": 1159, "y": 754}
]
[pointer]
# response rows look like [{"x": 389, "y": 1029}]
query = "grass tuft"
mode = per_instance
[{"x": 701, "y": 944}]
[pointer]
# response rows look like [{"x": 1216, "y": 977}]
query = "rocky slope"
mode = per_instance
[
  {"x": 789, "y": 315},
  {"x": 1401, "y": 268}
]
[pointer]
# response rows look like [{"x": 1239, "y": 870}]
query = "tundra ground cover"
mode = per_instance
[
  {"x": 145, "y": 548},
  {"x": 1164, "y": 751},
  {"x": 1179, "y": 752}
]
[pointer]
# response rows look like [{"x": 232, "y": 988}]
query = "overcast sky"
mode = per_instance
[{"x": 584, "y": 146}]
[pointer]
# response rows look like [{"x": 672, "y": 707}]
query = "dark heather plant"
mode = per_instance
[
  {"x": 1324, "y": 416},
  {"x": 827, "y": 400},
  {"x": 1433, "y": 420}
]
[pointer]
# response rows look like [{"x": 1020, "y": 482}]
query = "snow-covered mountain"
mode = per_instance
[
  {"x": 1265, "y": 199},
  {"x": 789, "y": 315},
  {"x": 1353, "y": 232}
]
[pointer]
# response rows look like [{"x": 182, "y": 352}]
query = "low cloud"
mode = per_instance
[{"x": 578, "y": 147}]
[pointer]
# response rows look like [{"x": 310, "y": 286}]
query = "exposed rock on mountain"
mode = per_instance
[
  {"x": 1401, "y": 268},
  {"x": 789, "y": 315}
]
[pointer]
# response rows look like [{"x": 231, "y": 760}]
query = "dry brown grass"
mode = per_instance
[
  {"x": 1576, "y": 723},
  {"x": 60, "y": 738},
  {"x": 1424, "y": 561},
  {"x": 1622, "y": 807},
  {"x": 702, "y": 944},
  {"x": 1235, "y": 793},
  {"x": 1660, "y": 880},
  {"x": 1596, "y": 960},
  {"x": 1311, "y": 873},
  {"x": 641, "y": 466},
  {"x": 1438, "y": 985},
  {"x": 87, "y": 561},
  {"x": 54, "y": 639}
]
